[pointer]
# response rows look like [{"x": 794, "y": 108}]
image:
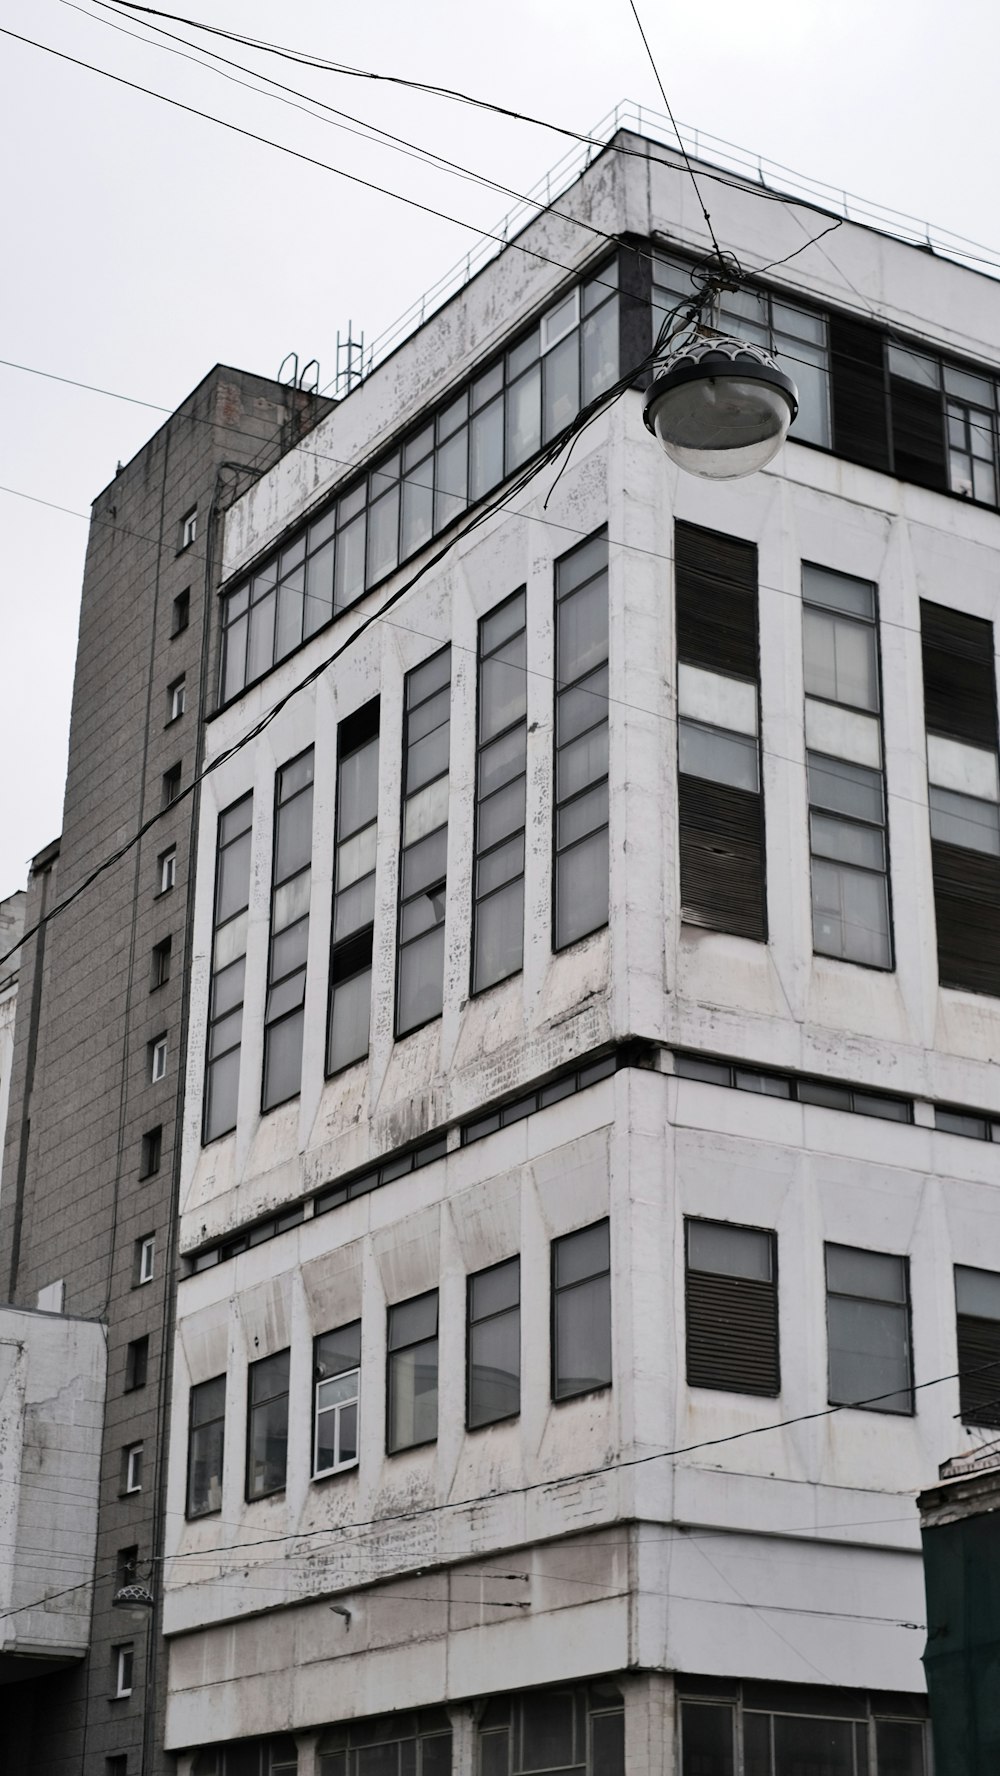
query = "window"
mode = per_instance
[
  {"x": 150, "y": 1152},
  {"x": 394, "y": 1745},
  {"x": 970, "y": 408},
  {"x": 171, "y": 786},
  {"x": 424, "y": 844},
  {"x": 847, "y": 823},
  {"x": 731, "y": 1308},
  {"x": 526, "y": 1104},
  {"x": 246, "y": 1239},
  {"x": 145, "y": 1252},
  {"x": 132, "y": 1468},
  {"x": 416, "y": 489},
  {"x": 189, "y": 528},
  {"x": 868, "y": 1328},
  {"x": 157, "y": 1052},
  {"x": 166, "y": 869},
  {"x": 818, "y": 1732},
  {"x": 206, "y": 1442},
  {"x": 176, "y": 700},
  {"x": 291, "y": 876},
  {"x": 122, "y": 1670},
  {"x": 581, "y": 1311},
  {"x": 977, "y": 1303},
  {"x": 397, "y": 1165},
  {"x": 267, "y": 1425},
  {"x": 412, "y": 1392},
  {"x": 828, "y": 1093},
  {"x": 159, "y": 973},
  {"x": 249, "y": 1757},
  {"x": 354, "y": 888},
  {"x": 181, "y": 612},
  {"x": 126, "y": 1566},
  {"x": 964, "y": 795},
  {"x": 720, "y": 805},
  {"x": 336, "y": 1380},
  {"x": 116, "y": 1765},
  {"x": 581, "y": 1729},
  {"x": 229, "y": 946},
  {"x": 493, "y": 1361},
  {"x": 501, "y": 767},
  {"x": 581, "y": 743},
  {"x": 136, "y": 1364}
]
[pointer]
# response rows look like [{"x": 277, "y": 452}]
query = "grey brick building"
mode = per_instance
[{"x": 88, "y": 1206}]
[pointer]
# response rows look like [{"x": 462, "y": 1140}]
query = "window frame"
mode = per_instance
[
  {"x": 132, "y": 1460},
  {"x": 124, "y": 1669},
  {"x": 160, "y": 965},
  {"x": 176, "y": 700},
  {"x": 773, "y": 1284},
  {"x": 180, "y": 613},
  {"x": 136, "y": 1364},
  {"x": 218, "y": 926},
  {"x": 339, "y": 1466},
  {"x": 281, "y": 805},
  {"x": 150, "y": 1152},
  {"x": 479, "y": 800},
  {"x": 473, "y": 1423},
  {"x": 392, "y": 1351},
  {"x": 905, "y": 1307},
  {"x": 145, "y": 1259},
  {"x": 188, "y": 529},
  {"x": 402, "y": 945},
  {"x": 167, "y": 866},
  {"x": 368, "y": 719},
  {"x": 158, "y": 1047},
  {"x": 563, "y": 688},
  {"x": 255, "y": 1406},
  {"x": 219, "y": 1419},
  {"x": 556, "y": 1291},
  {"x": 170, "y": 784}
]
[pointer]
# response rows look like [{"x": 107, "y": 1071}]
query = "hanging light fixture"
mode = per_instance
[{"x": 720, "y": 406}]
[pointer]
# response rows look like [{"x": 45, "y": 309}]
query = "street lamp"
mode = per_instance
[{"x": 721, "y": 407}]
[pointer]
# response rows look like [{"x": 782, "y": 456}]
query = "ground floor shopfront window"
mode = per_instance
[{"x": 760, "y": 1731}]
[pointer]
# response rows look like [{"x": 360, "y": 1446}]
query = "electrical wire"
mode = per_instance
[
  {"x": 367, "y": 132},
  {"x": 283, "y": 148},
  {"x": 677, "y": 133}
]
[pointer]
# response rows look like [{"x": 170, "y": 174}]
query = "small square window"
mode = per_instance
[
  {"x": 160, "y": 970},
  {"x": 132, "y": 1468},
  {"x": 122, "y": 1670},
  {"x": 157, "y": 1050},
  {"x": 166, "y": 865},
  {"x": 181, "y": 615},
  {"x": 189, "y": 528},
  {"x": 151, "y": 1152},
  {"x": 126, "y": 1566},
  {"x": 176, "y": 700},
  {"x": 145, "y": 1255},
  {"x": 136, "y": 1364},
  {"x": 171, "y": 785}
]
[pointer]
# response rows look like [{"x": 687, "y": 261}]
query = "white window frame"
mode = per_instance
[
  {"x": 147, "y": 1256},
  {"x": 158, "y": 1060},
  {"x": 546, "y": 339},
  {"x": 178, "y": 699},
  {"x": 133, "y": 1460},
  {"x": 168, "y": 870},
  {"x": 189, "y": 527},
  {"x": 124, "y": 1661},
  {"x": 338, "y": 1408}
]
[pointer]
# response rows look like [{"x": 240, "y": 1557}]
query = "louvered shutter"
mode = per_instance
[
  {"x": 716, "y": 601},
  {"x": 967, "y": 908},
  {"x": 979, "y": 1370},
  {"x": 857, "y": 380},
  {"x": 918, "y": 446},
  {"x": 732, "y": 1333},
  {"x": 959, "y": 674},
  {"x": 722, "y": 857}
]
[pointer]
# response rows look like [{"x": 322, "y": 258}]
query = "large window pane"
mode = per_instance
[
  {"x": 813, "y": 1747},
  {"x": 581, "y": 1356},
  {"x": 413, "y": 1373},
  {"x": 494, "y": 1344},
  {"x": 868, "y": 1329},
  {"x": 582, "y": 889},
  {"x": 850, "y": 914},
  {"x": 840, "y": 659},
  {"x": 717, "y": 756},
  {"x": 350, "y": 1009},
  {"x": 707, "y": 1734},
  {"x": 499, "y": 933}
]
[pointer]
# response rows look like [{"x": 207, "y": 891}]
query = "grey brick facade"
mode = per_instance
[{"x": 75, "y": 1206}]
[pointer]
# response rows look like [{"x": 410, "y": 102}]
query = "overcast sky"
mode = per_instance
[{"x": 142, "y": 245}]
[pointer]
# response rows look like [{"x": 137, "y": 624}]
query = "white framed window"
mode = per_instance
[
  {"x": 189, "y": 527},
  {"x": 560, "y": 320},
  {"x": 158, "y": 1059},
  {"x": 176, "y": 700},
  {"x": 336, "y": 1372},
  {"x": 168, "y": 869},
  {"x": 132, "y": 1468},
  {"x": 146, "y": 1259},
  {"x": 123, "y": 1661}
]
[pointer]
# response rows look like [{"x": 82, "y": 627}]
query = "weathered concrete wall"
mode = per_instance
[{"x": 52, "y": 1381}]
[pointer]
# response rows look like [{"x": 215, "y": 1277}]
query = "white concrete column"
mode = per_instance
[
  {"x": 463, "y": 1716},
  {"x": 650, "y": 1726},
  {"x": 307, "y": 1744}
]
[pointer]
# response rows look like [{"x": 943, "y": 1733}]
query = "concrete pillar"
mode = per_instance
[
  {"x": 650, "y": 1723},
  {"x": 307, "y": 1745},
  {"x": 463, "y": 1717}
]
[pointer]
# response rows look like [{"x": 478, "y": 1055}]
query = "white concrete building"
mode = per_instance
[
  {"x": 594, "y": 1022},
  {"x": 11, "y": 927}
]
